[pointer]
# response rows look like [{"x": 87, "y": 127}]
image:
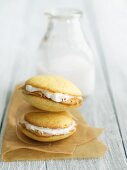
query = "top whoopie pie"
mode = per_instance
[{"x": 51, "y": 93}]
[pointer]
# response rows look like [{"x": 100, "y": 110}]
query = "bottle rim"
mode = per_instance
[{"x": 63, "y": 13}]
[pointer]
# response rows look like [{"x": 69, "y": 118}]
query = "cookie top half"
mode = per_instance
[
  {"x": 51, "y": 120},
  {"x": 54, "y": 84}
]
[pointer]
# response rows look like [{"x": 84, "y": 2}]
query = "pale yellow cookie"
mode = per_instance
[
  {"x": 52, "y": 93},
  {"x": 47, "y": 126}
]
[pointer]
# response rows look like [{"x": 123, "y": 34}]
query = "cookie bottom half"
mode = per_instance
[
  {"x": 44, "y": 138},
  {"x": 48, "y": 105}
]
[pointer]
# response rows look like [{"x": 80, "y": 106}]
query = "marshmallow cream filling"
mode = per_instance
[
  {"x": 57, "y": 97},
  {"x": 41, "y": 130}
]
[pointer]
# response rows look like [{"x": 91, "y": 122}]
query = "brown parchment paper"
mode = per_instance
[{"x": 16, "y": 146}]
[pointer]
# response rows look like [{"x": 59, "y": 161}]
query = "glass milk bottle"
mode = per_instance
[{"x": 64, "y": 50}]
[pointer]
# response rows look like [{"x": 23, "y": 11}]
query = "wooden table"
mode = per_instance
[{"x": 105, "y": 25}]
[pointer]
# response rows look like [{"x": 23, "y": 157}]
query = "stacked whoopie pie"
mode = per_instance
[{"x": 55, "y": 96}]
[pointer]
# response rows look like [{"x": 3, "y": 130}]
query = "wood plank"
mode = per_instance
[
  {"x": 23, "y": 165},
  {"x": 23, "y": 71},
  {"x": 8, "y": 68},
  {"x": 113, "y": 39}
]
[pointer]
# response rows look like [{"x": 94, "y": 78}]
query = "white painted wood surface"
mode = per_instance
[{"x": 22, "y": 26}]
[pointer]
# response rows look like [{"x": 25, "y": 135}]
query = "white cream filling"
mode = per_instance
[
  {"x": 57, "y": 97},
  {"x": 42, "y": 130}
]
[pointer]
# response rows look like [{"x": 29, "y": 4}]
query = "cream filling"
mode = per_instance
[
  {"x": 57, "y": 97},
  {"x": 42, "y": 130}
]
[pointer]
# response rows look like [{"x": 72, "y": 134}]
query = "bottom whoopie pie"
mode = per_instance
[{"x": 47, "y": 126}]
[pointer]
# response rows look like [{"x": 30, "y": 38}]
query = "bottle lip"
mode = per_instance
[{"x": 63, "y": 13}]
